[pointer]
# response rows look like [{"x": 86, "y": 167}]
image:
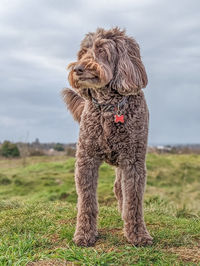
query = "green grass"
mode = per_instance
[{"x": 38, "y": 214}]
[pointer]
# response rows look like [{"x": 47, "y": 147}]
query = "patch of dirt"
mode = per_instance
[
  {"x": 54, "y": 238},
  {"x": 110, "y": 231},
  {"x": 67, "y": 221},
  {"x": 155, "y": 225},
  {"x": 187, "y": 254},
  {"x": 51, "y": 263},
  {"x": 57, "y": 242},
  {"x": 104, "y": 235}
]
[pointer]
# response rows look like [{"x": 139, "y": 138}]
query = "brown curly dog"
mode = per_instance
[{"x": 109, "y": 103}]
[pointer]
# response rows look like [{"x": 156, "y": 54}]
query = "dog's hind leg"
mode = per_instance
[
  {"x": 118, "y": 188},
  {"x": 86, "y": 176}
]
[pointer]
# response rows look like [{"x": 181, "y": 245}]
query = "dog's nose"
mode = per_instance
[{"x": 78, "y": 69}]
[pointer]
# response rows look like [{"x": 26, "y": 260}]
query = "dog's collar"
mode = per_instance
[{"x": 107, "y": 107}]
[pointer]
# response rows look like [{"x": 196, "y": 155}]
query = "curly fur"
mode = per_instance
[{"x": 109, "y": 68}]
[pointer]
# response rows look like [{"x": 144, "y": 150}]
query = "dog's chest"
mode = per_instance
[
  {"x": 114, "y": 140},
  {"x": 111, "y": 128},
  {"x": 102, "y": 137}
]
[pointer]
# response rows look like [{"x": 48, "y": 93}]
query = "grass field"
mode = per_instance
[{"x": 38, "y": 214}]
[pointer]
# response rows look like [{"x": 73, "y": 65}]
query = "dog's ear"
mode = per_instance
[{"x": 130, "y": 74}]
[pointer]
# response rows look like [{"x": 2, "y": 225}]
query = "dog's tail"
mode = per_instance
[{"x": 74, "y": 102}]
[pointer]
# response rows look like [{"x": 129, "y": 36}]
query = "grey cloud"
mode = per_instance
[{"x": 39, "y": 40}]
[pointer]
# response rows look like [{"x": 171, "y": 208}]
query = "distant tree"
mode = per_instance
[
  {"x": 9, "y": 150},
  {"x": 59, "y": 147},
  {"x": 37, "y": 141}
]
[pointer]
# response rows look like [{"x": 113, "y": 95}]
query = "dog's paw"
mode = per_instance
[
  {"x": 85, "y": 239},
  {"x": 140, "y": 240}
]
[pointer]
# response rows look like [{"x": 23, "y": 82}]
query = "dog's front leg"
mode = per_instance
[
  {"x": 86, "y": 176},
  {"x": 133, "y": 184},
  {"x": 118, "y": 188}
]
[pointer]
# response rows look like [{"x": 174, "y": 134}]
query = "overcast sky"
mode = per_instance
[{"x": 38, "y": 38}]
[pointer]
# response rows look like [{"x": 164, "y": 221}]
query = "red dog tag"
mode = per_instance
[{"x": 119, "y": 118}]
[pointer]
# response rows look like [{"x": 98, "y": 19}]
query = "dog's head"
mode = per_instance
[{"x": 108, "y": 58}]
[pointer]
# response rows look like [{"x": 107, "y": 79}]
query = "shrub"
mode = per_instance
[
  {"x": 59, "y": 147},
  {"x": 70, "y": 152},
  {"x": 4, "y": 180},
  {"x": 9, "y": 150}
]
